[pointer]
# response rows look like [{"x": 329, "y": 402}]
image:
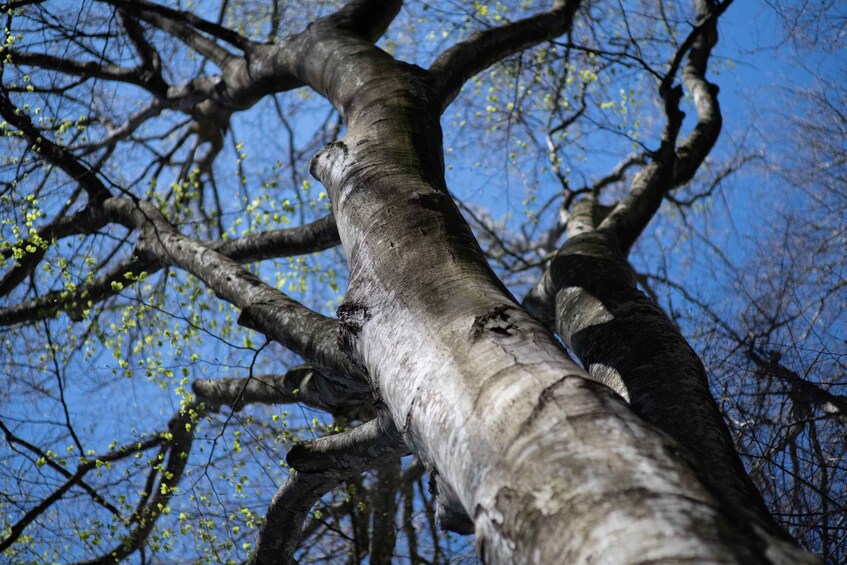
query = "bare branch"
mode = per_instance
[
  {"x": 184, "y": 32},
  {"x": 675, "y": 166},
  {"x": 183, "y": 19},
  {"x": 85, "y": 465},
  {"x": 301, "y": 384},
  {"x": 829, "y": 402},
  {"x": 289, "y": 508},
  {"x": 131, "y": 75}
]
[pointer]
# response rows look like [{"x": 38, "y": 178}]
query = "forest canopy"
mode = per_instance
[{"x": 423, "y": 282}]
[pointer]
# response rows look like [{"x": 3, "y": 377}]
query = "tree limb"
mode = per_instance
[
  {"x": 184, "y": 18},
  {"x": 675, "y": 167},
  {"x": 301, "y": 384},
  {"x": 320, "y": 465},
  {"x": 484, "y": 48}
]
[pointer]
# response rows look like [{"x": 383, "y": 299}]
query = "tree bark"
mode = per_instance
[{"x": 551, "y": 466}]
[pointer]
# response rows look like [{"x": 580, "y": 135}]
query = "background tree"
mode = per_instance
[{"x": 160, "y": 288}]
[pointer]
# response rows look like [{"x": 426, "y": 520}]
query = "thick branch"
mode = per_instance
[
  {"x": 384, "y": 503},
  {"x": 151, "y": 61},
  {"x": 301, "y": 384},
  {"x": 309, "y": 238},
  {"x": 367, "y": 18},
  {"x": 484, "y": 48},
  {"x": 622, "y": 337},
  {"x": 349, "y": 451},
  {"x": 288, "y": 510}
]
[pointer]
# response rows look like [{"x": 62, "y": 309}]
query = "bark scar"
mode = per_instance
[
  {"x": 351, "y": 318},
  {"x": 495, "y": 321},
  {"x": 323, "y": 163}
]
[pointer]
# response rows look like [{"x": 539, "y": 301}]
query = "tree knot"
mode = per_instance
[{"x": 495, "y": 321}]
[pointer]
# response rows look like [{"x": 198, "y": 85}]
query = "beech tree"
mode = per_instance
[{"x": 209, "y": 209}]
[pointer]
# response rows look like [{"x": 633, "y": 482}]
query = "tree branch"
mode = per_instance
[
  {"x": 675, "y": 167},
  {"x": 367, "y": 18},
  {"x": 184, "y": 32},
  {"x": 321, "y": 465},
  {"x": 309, "y": 238},
  {"x": 349, "y": 451},
  {"x": 131, "y": 75},
  {"x": 55, "y": 154},
  {"x": 287, "y": 242},
  {"x": 184, "y": 19},
  {"x": 484, "y": 48},
  {"x": 301, "y": 384}
]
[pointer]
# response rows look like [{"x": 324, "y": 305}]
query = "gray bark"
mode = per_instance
[{"x": 551, "y": 466}]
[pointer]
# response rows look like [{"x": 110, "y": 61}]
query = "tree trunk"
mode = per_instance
[{"x": 551, "y": 466}]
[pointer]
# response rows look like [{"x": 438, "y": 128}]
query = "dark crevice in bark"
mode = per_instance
[
  {"x": 496, "y": 321},
  {"x": 449, "y": 513}
]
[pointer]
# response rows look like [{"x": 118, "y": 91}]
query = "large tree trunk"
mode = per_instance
[{"x": 551, "y": 466}]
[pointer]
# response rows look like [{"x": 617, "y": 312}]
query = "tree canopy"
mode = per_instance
[{"x": 425, "y": 282}]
